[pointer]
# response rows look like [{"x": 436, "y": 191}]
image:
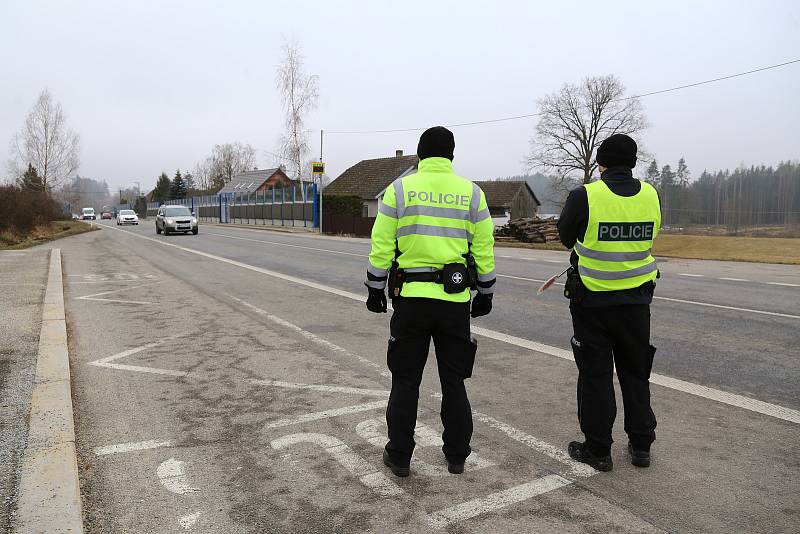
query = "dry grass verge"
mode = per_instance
[
  {"x": 722, "y": 248},
  {"x": 13, "y": 239}
]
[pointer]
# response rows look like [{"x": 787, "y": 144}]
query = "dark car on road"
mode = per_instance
[{"x": 171, "y": 219}]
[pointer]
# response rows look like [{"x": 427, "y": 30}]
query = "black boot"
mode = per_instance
[
  {"x": 580, "y": 453},
  {"x": 398, "y": 470},
  {"x": 455, "y": 467},
  {"x": 640, "y": 458}
]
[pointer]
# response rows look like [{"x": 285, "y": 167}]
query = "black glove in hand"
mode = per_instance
[
  {"x": 376, "y": 301},
  {"x": 481, "y": 305}
]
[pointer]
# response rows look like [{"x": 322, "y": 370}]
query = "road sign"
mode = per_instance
[{"x": 317, "y": 167}]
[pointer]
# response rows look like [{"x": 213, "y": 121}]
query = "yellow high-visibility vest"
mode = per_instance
[
  {"x": 616, "y": 252},
  {"x": 433, "y": 217}
]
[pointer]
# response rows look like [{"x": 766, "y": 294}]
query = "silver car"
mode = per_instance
[{"x": 171, "y": 219}]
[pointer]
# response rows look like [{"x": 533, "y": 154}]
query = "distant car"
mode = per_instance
[
  {"x": 106, "y": 215},
  {"x": 127, "y": 217},
  {"x": 88, "y": 214},
  {"x": 175, "y": 219}
]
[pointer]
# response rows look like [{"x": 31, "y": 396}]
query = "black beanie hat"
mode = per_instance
[
  {"x": 436, "y": 142},
  {"x": 617, "y": 150}
]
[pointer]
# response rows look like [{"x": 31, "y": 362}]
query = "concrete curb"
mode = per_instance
[{"x": 49, "y": 491}]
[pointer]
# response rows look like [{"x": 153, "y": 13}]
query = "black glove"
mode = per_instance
[
  {"x": 376, "y": 301},
  {"x": 481, "y": 305}
]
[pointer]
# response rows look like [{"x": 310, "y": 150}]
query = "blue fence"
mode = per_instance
[{"x": 295, "y": 206}]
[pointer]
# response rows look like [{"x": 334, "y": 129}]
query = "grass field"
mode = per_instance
[
  {"x": 756, "y": 249},
  {"x": 10, "y": 240}
]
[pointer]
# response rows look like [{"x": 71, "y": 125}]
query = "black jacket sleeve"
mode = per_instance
[{"x": 574, "y": 217}]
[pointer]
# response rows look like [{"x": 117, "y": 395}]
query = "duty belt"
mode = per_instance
[{"x": 430, "y": 276}]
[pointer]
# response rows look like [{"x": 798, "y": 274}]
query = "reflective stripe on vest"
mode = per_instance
[{"x": 616, "y": 252}]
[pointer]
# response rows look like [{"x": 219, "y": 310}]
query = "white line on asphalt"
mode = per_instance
[
  {"x": 311, "y": 336},
  {"x": 129, "y": 447},
  {"x": 556, "y": 453},
  {"x": 691, "y": 275},
  {"x": 172, "y": 475},
  {"x": 327, "y": 414},
  {"x": 762, "y": 312},
  {"x": 492, "y": 502},
  {"x": 738, "y": 401},
  {"x": 321, "y": 387},
  {"x": 355, "y": 464},
  {"x": 734, "y": 279},
  {"x": 289, "y": 245},
  {"x": 107, "y": 361},
  {"x": 95, "y": 296},
  {"x": 783, "y": 284}
]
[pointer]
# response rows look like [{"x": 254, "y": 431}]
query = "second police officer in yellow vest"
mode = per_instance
[
  {"x": 432, "y": 240},
  {"x": 610, "y": 224}
]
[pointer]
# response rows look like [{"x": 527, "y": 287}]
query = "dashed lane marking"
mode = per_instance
[
  {"x": 734, "y": 279},
  {"x": 783, "y": 284},
  {"x": 748, "y": 310},
  {"x": 691, "y": 275},
  {"x": 130, "y": 447},
  {"x": 188, "y": 521},
  {"x": 723, "y": 397}
]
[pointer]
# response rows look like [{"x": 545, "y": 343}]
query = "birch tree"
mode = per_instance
[
  {"x": 299, "y": 92},
  {"x": 573, "y": 122},
  {"x": 46, "y": 143}
]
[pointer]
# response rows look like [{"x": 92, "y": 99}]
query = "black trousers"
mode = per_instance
[
  {"x": 604, "y": 337},
  {"x": 414, "y": 322}
]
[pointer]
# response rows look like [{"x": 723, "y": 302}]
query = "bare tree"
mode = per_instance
[
  {"x": 299, "y": 93},
  {"x": 46, "y": 143},
  {"x": 574, "y": 121}
]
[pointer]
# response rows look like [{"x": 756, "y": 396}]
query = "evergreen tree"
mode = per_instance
[
  {"x": 651, "y": 175},
  {"x": 177, "y": 188},
  {"x": 189, "y": 181},
  {"x": 161, "y": 192},
  {"x": 31, "y": 181},
  {"x": 682, "y": 174}
]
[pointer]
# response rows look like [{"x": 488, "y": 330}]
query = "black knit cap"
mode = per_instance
[
  {"x": 436, "y": 142},
  {"x": 617, "y": 150}
]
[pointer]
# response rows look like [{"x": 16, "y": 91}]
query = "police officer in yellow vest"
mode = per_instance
[
  {"x": 432, "y": 242},
  {"x": 610, "y": 225}
]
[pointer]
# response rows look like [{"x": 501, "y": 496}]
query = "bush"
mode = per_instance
[
  {"x": 342, "y": 205},
  {"x": 22, "y": 210}
]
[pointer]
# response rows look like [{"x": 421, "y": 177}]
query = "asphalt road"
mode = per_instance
[{"x": 229, "y": 382}]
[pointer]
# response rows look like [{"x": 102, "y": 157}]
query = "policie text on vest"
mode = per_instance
[
  {"x": 440, "y": 198},
  {"x": 625, "y": 231}
]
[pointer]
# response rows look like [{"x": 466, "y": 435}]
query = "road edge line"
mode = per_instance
[{"x": 49, "y": 491}]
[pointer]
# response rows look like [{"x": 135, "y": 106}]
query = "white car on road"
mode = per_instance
[
  {"x": 127, "y": 217},
  {"x": 88, "y": 214}
]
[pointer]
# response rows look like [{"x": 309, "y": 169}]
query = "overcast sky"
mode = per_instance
[{"x": 151, "y": 86}]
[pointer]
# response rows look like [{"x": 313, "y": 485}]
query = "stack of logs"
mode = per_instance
[{"x": 528, "y": 230}]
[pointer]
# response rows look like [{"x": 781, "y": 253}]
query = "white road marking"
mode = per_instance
[
  {"x": 311, "y": 336},
  {"x": 129, "y": 447},
  {"x": 783, "y": 284},
  {"x": 189, "y": 520},
  {"x": 327, "y": 414},
  {"x": 172, "y": 474},
  {"x": 374, "y": 432},
  {"x": 734, "y": 279},
  {"x": 748, "y": 310},
  {"x": 108, "y": 361},
  {"x": 95, "y": 296},
  {"x": 355, "y": 464},
  {"x": 290, "y": 245},
  {"x": 731, "y": 399},
  {"x": 321, "y": 387},
  {"x": 691, "y": 275},
  {"x": 495, "y": 501},
  {"x": 556, "y": 453},
  {"x": 712, "y": 394}
]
